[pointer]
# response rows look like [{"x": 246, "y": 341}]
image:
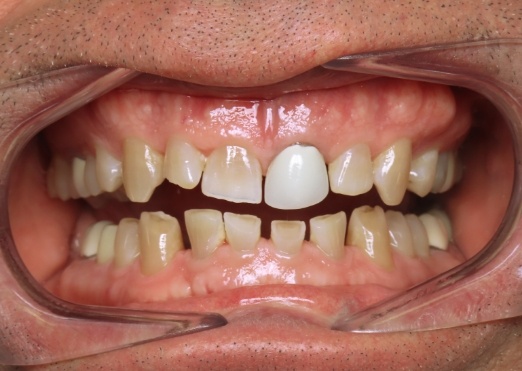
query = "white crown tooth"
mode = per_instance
[
  {"x": 232, "y": 174},
  {"x": 142, "y": 170},
  {"x": 160, "y": 238},
  {"x": 206, "y": 231},
  {"x": 448, "y": 172},
  {"x": 436, "y": 231},
  {"x": 242, "y": 231},
  {"x": 445, "y": 220},
  {"x": 367, "y": 229},
  {"x": 91, "y": 180},
  {"x": 127, "y": 244},
  {"x": 78, "y": 177},
  {"x": 106, "y": 245},
  {"x": 184, "y": 164},
  {"x": 419, "y": 235},
  {"x": 296, "y": 178},
  {"x": 91, "y": 239},
  {"x": 288, "y": 236},
  {"x": 400, "y": 234},
  {"x": 108, "y": 170},
  {"x": 391, "y": 169},
  {"x": 422, "y": 173},
  {"x": 328, "y": 232},
  {"x": 351, "y": 173}
]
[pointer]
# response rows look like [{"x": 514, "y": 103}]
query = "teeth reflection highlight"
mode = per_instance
[
  {"x": 288, "y": 236},
  {"x": 126, "y": 245},
  {"x": 108, "y": 170},
  {"x": 184, "y": 164},
  {"x": 242, "y": 231},
  {"x": 328, "y": 233},
  {"x": 422, "y": 173},
  {"x": 351, "y": 173},
  {"x": 419, "y": 236},
  {"x": 206, "y": 231},
  {"x": 400, "y": 234}
]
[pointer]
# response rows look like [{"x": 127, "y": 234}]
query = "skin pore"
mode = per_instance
[{"x": 244, "y": 44}]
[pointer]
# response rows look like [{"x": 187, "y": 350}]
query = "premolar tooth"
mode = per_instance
[
  {"x": 288, "y": 235},
  {"x": 106, "y": 244},
  {"x": 368, "y": 230},
  {"x": 419, "y": 236},
  {"x": 242, "y": 231},
  {"x": 142, "y": 170},
  {"x": 444, "y": 219},
  {"x": 127, "y": 244},
  {"x": 296, "y": 178},
  {"x": 91, "y": 180},
  {"x": 436, "y": 231},
  {"x": 422, "y": 173},
  {"x": 391, "y": 170},
  {"x": 59, "y": 178},
  {"x": 160, "y": 239},
  {"x": 232, "y": 174},
  {"x": 183, "y": 164},
  {"x": 351, "y": 173},
  {"x": 328, "y": 232},
  {"x": 399, "y": 231},
  {"x": 78, "y": 176},
  {"x": 448, "y": 172},
  {"x": 91, "y": 239},
  {"x": 108, "y": 170},
  {"x": 206, "y": 231}
]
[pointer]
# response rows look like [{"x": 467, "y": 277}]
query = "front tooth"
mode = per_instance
[
  {"x": 368, "y": 230},
  {"x": 206, "y": 231},
  {"x": 108, "y": 170},
  {"x": 351, "y": 173},
  {"x": 242, "y": 231},
  {"x": 160, "y": 239},
  {"x": 126, "y": 245},
  {"x": 142, "y": 170},
  {"x": 296, "y": 178},
  {"x": 91, "y": 239},
  {"x": 400, "y": 234},
  {"x": 91, "y": 180},
  {"x": 232, "y": 174},
  {"x": 183, "y": 164},
  {"x": 106, "y": 245},
  {"x": 420, "y": 238},
  {"x": 391, "y": 171},
  {"x": 436, "y": 231},
  {"x": 422, "y": 173},
  {"x": 288, "y": 236},
  {"x": 78, "y": 177},
  {"x": 328, "y": 232}
]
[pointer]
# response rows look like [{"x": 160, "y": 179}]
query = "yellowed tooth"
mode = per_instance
[
  {"x": 127, "y": 243},
  {"x": 108, "y": 170},
  {"x": 288, "y": 236},
  {"x": 232, "y": 174},
  {"x": 106, "y": 245},
  {"x": 351, "y": 173},
  {"x": 368, "y": 231},
  {"x": 328, "y": 232},
  {"x": 419, "y": 235},
  {"x": 422, "y": 173},
  {"x": 436, "y": 231},
  {"x": 142, "y": 170},
  {"x": 391, "y": 169},
  {"x": 242, "y": 231},
  {"x": 91, "y": 180},
  {"x": 91, "y": 239},
  {"x": 183, "y": 164},
  {"x": 160, "y": 239},
  {"x": 206, "y": 231},
  {"x": 400, "y": 234}
]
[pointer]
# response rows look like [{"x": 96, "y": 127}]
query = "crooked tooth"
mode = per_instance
[
  {"x": 160, "y": 239},
  {"x": 448, "y": 172},
  {"x": 242, "y": 231},
  {"x": 106, "y": 244},
  {"x": 296, "y": 178},
  {"x": 328, "y": 232},
  {"x": 351, "y": 173},
  {"x": 183, "y": 164},
  {"x": 142, "y": 169},
  {"x": 419, "y": 236},
  {"x": 108, "y": 170},
  {"x": 126, "y": 245},
  {"x": 206, "y": 231},
  {"x": 367, "y": 229},
  {"x": 437, "y": 234},
  {"x": 288, "y": 236},
  {"x": 391, "y": 169},
  {"x": 91, "y": 239},
  {"x": 400, "y": 234},
  {"x": 91, "y": 180},
  {"x": 422, "y": 173},
  {"x": 232, "y": 174}
]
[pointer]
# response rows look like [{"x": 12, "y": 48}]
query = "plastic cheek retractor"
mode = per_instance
[
  {"x": 31, "y": 318},
  {"x": 489, "y": 286}
]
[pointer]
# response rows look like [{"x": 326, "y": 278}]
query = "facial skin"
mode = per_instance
[{"x": 249, "y": 45}]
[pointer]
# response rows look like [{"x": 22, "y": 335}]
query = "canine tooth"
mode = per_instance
[
  {"x": 367, "y": 229},
  {"x": 142, "y": 170},
  {"x": 419, "y": 236},
  {"x": 160, "y": 239},
  {"x": 183, "y": 164},
  {"x": 206, "y": 231},
  {"x": 232, "y": 174},
  {"x": 351, "y": 173},
  {"x": 106, "y": 245},
  {"x": 328, "y": 232},
  {"x": 108, "y": 170},
  {"x": 288, "y": 235},
  {"x": 399, "y": 231},
  {"x": 296, "y": 178},
  {"x": 126, "y": 245},
  {"x": 242, "y": 231},
  {"x": 436, "y": 231},
  {"x": 391, "y": 170},
  {"x": 91, "y": 239},
  {"x": 448, "y": 172},
  {"x": 422, "y": 173}
]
